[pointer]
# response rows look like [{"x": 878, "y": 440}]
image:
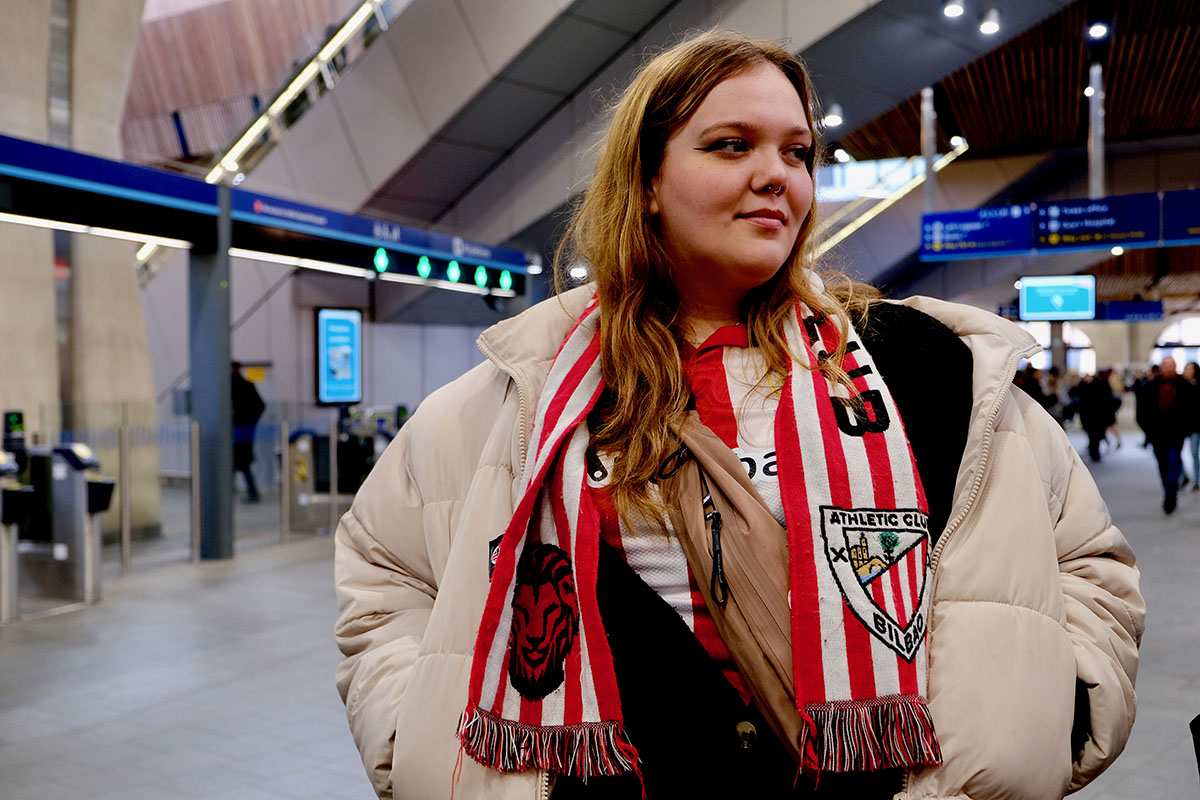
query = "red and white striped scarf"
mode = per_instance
[{"x": 543, "y": 693}]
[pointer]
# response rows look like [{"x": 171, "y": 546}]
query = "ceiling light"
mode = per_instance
[
  {"x": 578, "y": 272},
  {"x": 1017, "y": 284},
  {"x": 1118, "y": 250},
  {"x": 841, "y": 155},
  {"x": 952, "y": 8},
  {"x": 834, "y": 117},
  {"x": 534, "y": 269},
  {"x": 957, "y": 141},
  {"x": 1098, "y": 30},
  {"x": 991, "y": 22},
  {"x": 1089, "y": 91}
]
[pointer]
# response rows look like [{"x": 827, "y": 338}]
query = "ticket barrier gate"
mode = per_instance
[
  {"x": 15, "y": 502},
  {"x": 59, "y": 552}
]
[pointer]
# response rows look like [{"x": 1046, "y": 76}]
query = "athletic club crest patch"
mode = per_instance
[{"x": 879, "y": 558}]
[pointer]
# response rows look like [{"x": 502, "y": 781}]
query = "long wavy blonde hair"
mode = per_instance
[{"x": 613, "y": 232}]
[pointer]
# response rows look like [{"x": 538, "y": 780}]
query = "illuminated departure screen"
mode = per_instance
[{"x": 339, "y": 356}]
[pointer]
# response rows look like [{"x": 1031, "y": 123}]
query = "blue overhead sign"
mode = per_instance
[
  {"x": 1130, "y": 310},
  {"x": 57, "y": 166},
  {"x": 1130, "y": 220},
  {"x": 1181, "y": 217},
  {"x": 339, "y": 356},
  {"x": 1058, "y": 297},
  {"x": 274, "y": 212},
  {"x": 995, "y": 231}
]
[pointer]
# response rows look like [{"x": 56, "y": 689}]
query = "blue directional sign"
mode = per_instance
[
  {"x": 276, "y": 212},
  {"x": 1130, "y": 220},
  {"x": 1058, "y": 297},
  {"x": 339, "y": 356},
  {"x": 1130, "y": 310},
  {"x": 1181, "y": 217},
  {"x": 993, "y": 231}
]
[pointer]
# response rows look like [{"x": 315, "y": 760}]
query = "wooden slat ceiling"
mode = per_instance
[
  {"x": 207, "y": 64},
  {"x": 1027, "y": 95}
]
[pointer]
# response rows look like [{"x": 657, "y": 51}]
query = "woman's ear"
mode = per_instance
[{"x": 652, "y": 197}]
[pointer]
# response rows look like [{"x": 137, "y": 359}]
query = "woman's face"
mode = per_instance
[{"x": 733, "y": 189}]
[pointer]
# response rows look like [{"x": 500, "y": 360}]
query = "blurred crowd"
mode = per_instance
[{"x": 1166, "y": 409}]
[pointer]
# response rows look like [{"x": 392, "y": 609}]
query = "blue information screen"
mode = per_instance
[
  {"x": 993, "y": 231},
  {"x": 339, "y": 356},
  {"x": 1130, "y": 220},
  {"x": 1058, "y": 297},
  {"x": 1181, "y": 217}
]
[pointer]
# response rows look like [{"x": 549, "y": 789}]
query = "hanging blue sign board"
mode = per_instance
[
  {"x": 992, "y": 231},
  {"x": 261, "y": 209},
  {"x": 1130, "y": 220},
  {"x": 1130, "y": 310},
  {"x": 339, "y": 356},
  {"x": 1181, "y": 217}
]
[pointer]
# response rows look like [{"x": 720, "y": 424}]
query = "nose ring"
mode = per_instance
[{"x": 773, "y": 189}]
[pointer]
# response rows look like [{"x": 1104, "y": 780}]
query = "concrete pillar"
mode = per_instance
[{"x": 28, "y": 335}]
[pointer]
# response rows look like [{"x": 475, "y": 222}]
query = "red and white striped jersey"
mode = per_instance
[{"x": 724, "y": 373}]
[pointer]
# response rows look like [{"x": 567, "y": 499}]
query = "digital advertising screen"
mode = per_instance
[
  {"x": 339, "y": 356},
  {"x": 1058, "y": 297}
]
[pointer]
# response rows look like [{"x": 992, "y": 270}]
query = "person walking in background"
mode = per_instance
[
  {"x": 1191, "y": 374},
  {"x": 683, "y": 532},
  {"x": 1168, "y": 398},
  {"x": 1096, "y": 410},
  {"x": 1142, "y": 403},
  {"x": 248, "y": 408}
]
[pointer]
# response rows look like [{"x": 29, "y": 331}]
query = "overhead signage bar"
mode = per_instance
[
  {"x": 1160, "y": 219},
  {"x": 45, "y": 183},
  {"x": 274, "y": 212},
  {"x": 970, "y": 234},
  {"x": 1128, "y": 220}
]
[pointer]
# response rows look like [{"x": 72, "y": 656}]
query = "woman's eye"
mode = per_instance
[
  {"x": 800, "y": 152},
  {"x": 726, "y": 146}
]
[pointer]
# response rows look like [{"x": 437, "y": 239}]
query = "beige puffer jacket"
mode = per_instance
[{"x": 1032, "y": 585}]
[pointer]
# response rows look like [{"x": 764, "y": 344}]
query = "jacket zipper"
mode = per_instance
[
  {"x": 522, "y": 397},
  {"x": 952, "y": 526},
  {"x": 543, "y": 785}
]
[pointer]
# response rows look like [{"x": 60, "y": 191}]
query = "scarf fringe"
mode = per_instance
[
  {"x": 870, "y": 735},
  {"x": 583, "y": 750}
]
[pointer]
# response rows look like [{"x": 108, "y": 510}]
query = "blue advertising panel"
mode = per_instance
[
  {"x": 1130, "y": 220},
  {"x": 339, "y": 356},
  {"x": 994, "y": 231},
  {"x": 1181, "y": 217},
  {"x": 1058, "y": 297},
  {"x": 262, "y": 209}
]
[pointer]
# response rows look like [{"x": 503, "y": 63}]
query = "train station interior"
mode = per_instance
[{"x": 338, "y": 197}]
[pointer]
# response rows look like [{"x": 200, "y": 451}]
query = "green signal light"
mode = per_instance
[
  {"x": 424, "y": 268},
  {"x": 506, "y": 280},
  {"x": 481, "y": 276},
  {"x": 381, "y": 260},
  {"x": 453, "y": 273}
]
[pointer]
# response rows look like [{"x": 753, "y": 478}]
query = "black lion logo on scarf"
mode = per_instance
[{"x": 545, "y": 620}]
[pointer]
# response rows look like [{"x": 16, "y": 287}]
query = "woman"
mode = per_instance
[{"x": 697, "y": 529}]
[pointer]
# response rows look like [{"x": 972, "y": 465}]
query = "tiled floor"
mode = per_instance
[{"x": 216, "y": 681}]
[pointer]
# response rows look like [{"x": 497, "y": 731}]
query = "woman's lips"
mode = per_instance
[{"x": 769, "y": 223}]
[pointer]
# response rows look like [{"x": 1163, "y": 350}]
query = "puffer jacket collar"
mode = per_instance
[
  {"x": 524, "y": 346},
  {"x": 997, "y": 346}
]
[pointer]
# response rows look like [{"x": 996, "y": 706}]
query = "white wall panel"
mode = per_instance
[
  {"x": 503, "y": 27},
  {"x": 806, "y": 21},
  {"x": 450, "y": 352},
  {"x": 759, "y": 19},
  {"x": 380, "y": 115},
  {"x": 439, "y": 58},
  {"x": 330, "y": 174},
  {"x": 272, "y": 175}
]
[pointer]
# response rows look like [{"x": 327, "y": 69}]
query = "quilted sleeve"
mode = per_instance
[{"x": 1105, "y": 611}]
